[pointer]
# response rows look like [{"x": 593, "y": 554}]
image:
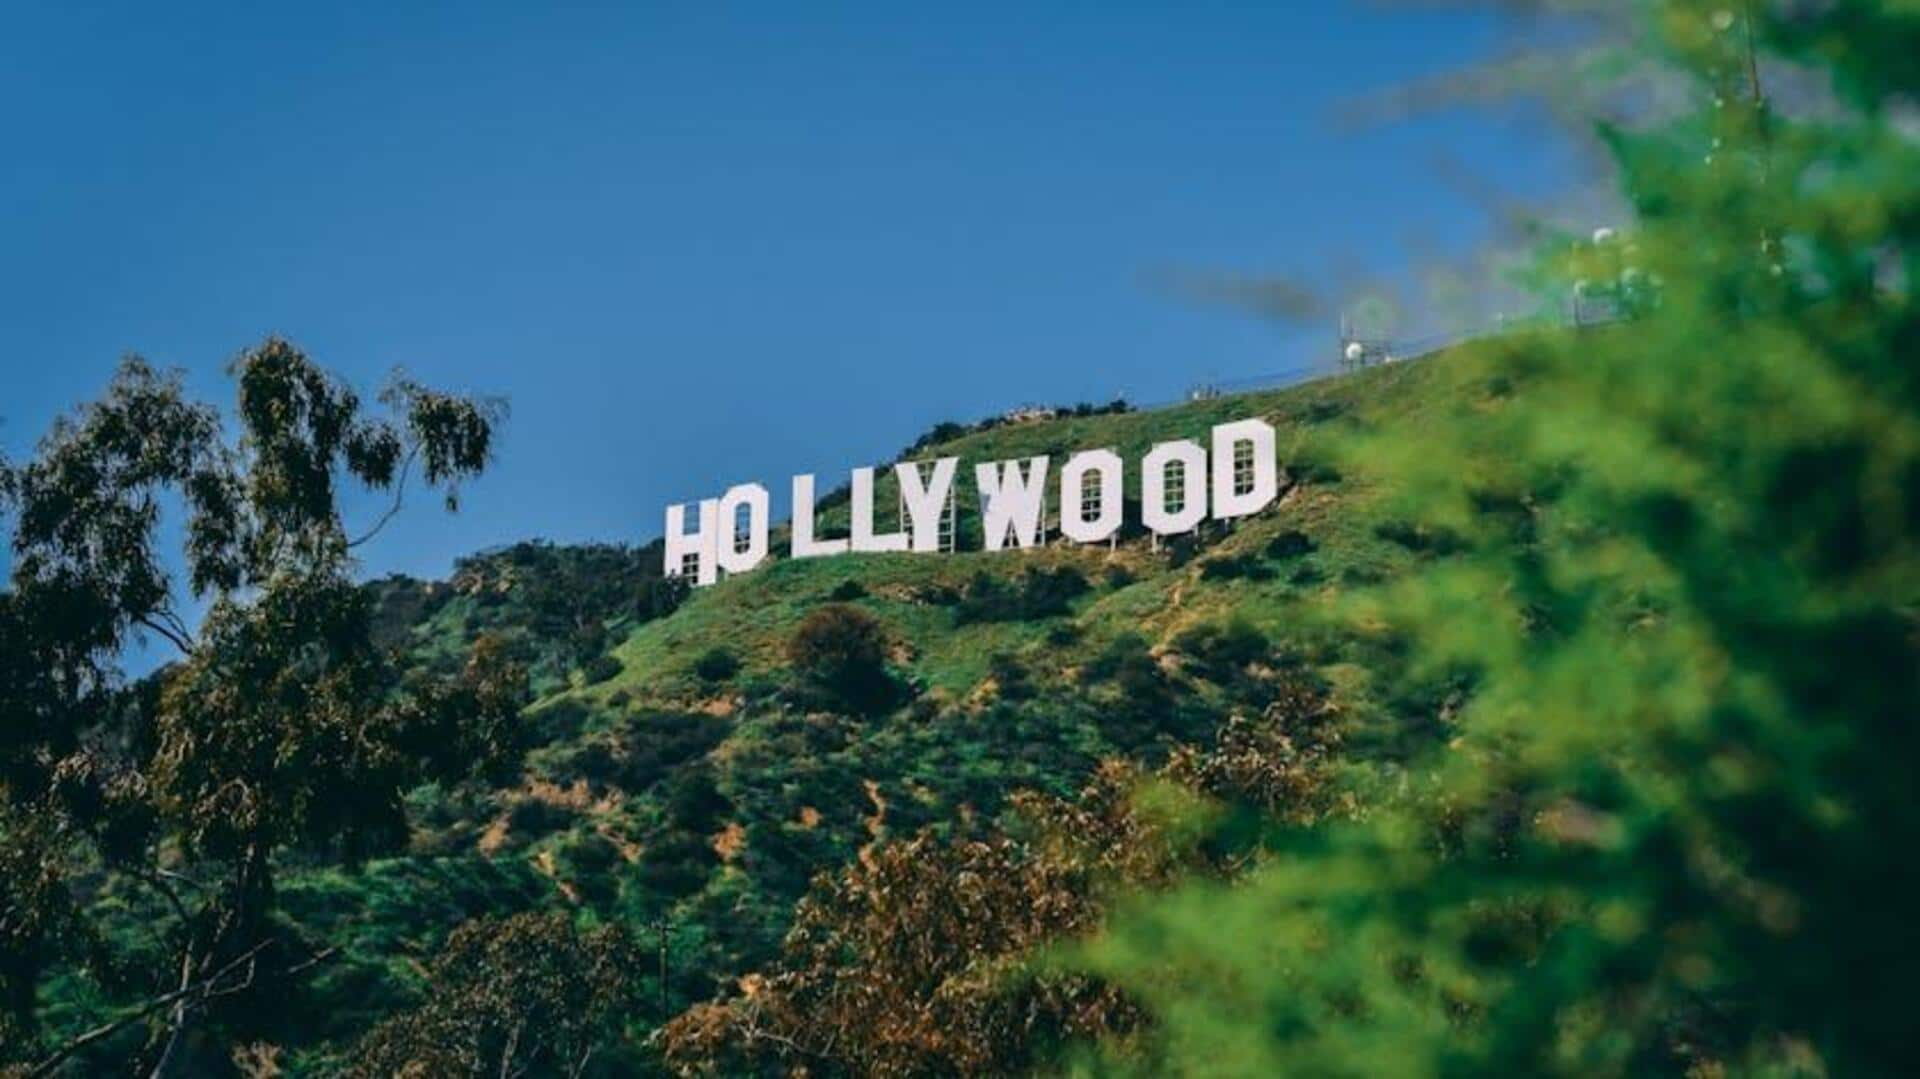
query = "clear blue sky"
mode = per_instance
[{"x": 705, "y": 243}]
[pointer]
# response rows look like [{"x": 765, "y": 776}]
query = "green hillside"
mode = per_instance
[
  {"x": 710, "y": 797},
  {"x": 1253, "y": 571}
]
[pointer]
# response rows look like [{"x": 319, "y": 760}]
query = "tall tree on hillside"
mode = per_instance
[
  {"x": 1673, "y": 832},
  {"x": 280, "y": 726},
  {"x": 532, "y": 994}
]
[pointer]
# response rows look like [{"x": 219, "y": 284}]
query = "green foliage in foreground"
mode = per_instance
[{"x": 1671, "y": 830}]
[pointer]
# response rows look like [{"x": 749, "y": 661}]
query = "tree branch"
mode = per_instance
[
  {"x": 172, "y": 874},
  {"x": 173, "y": 897},
  {"x": 399, "y": 495},
  {"x": 106, "y": 1030},
  {"x": 176, "y": 639},
  {"x": 311, "y": 961},
  {"x": 173, "y": 619}
]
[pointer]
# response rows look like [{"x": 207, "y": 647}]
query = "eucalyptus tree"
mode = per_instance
[{"x": 279, "y": 727}]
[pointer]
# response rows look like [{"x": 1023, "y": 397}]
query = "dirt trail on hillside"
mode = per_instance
[{"x": 876, "y": 824}]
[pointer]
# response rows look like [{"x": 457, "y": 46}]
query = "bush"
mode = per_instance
[
  {"x": 1048, "y": 593},
  {"x": 555, "y": 722},
  {"x": 1122, "y": 650},
  {"x": 531, "y": 818},
  {"x": 659, "y": 597},
  {"x": 1039, "y": 593},
  {"x": 716, "y": 665},
  {"x": 843, "y": 650},
  {"x": 1010, "y": 676},
  {"x": 1292, "y": 543},
  {"x": 588, "y": 853},
  {"x": 677, "y": 865},
  {"x": 1418, "y": 538},
  {"x": 1235, "y": 567},
  {"x": 838, "y": 645},
  {"x": 652, "y": 745},
  {"x": 1061, "y": 634},
  {"x": 1308, "y": 470},
  {"x": 1221, "y": 651},
  {"x": 847, "y": 591},
  {"x": 694, "y": 800},
  {"x": 600, "y": 668}
]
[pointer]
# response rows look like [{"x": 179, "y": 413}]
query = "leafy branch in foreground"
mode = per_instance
[{"x": 1669, "y": 834}]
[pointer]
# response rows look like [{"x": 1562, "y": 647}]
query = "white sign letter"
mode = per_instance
[
  {"x": 1262, "y": 473},
  {"x": 1010, "y": 501},
  {"x": 863, "y": 537},
  {"x": 701, "y": 543},
  {"x": 1109, "y": 473},
  {"x": 753, "y": 497},
  {"x": 1191, "y": 460},
  {"x": 804, "y": 545},
  {"x": 926, "y": 504}
]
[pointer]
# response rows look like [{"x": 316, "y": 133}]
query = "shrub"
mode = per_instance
[
  {"x": 530, "y": 818},
  {"x": 1292, "y": 543},
  {"x": 1220, "y": 651},
  {"x": 600, "y": 668},
  {"x": 1234, "y": 567},
  {"x": 1061, "y": 634},
  {"x": 847, "y": 591},
  {"x": 1120, "y": 651},
  {"x": 838, "y": 645},
  {"x": 716, "y": 665},
  {"x": 659, "y": 597},
  {"x": 694, "y": 800},
  {"x": 1418, "y": 538},
  {"x": 1039, "y": 593},
  {"x": 588, "y": 853},
  {"x": 987, "y": 599},
  {"x": 554, "y": 722},
  {"x": 654, "y": 744},
  {"x": 1048, "y": 593},
  {"x": 1310, "y": 470},
  {"x": 1010, "y": 676},
  {"x": 677, "y": 865}
]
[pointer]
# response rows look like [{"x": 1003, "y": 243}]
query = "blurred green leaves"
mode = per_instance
[{"x": 1671, "y": 832}]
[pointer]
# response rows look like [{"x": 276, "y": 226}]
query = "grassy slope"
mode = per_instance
[{"x": 611, "y": 818}]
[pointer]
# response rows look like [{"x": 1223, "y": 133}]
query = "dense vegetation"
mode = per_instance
[
  {"x": 1557, "y": 719},
  {"x": 725, "y": 747}
]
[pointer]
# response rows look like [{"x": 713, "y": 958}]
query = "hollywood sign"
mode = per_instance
[{"x": 1182, "y": 483}]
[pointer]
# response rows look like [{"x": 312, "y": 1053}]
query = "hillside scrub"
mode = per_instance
[
  {"x": 1036, "y": 594},
  {"x": 913, "y": 961}
]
